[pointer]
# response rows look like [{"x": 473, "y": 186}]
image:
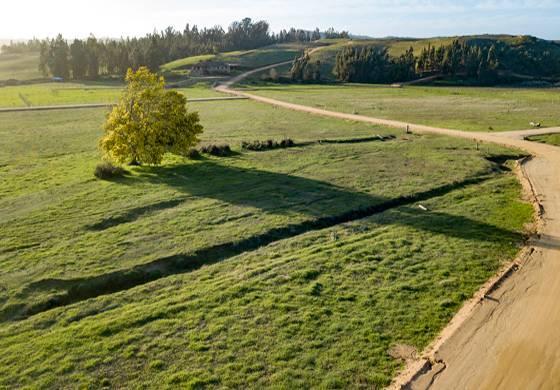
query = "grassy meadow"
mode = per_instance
[
  {"x": 551, "y": 139},
  {"x": 51, "y": 94},
  {"x": 462, "y": 108},
  {"x": 19, "y": 66},
  {"x": 288, "y": 268}
]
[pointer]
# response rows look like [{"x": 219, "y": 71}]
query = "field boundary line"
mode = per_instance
[{"x": 106, "y": 105}]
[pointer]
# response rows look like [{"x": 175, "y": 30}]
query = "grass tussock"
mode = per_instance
[
  {"x": 217, "y": 150},
  {"x": 193, "y": 154},
  {"x": 108, "y": 171}
]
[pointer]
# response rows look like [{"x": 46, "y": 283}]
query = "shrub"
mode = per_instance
[
  {"x": 107, "y": 171},
  {"x": 267, "y": 145},
  {"x": 193, "y": 154},
  {"x": 216, "y": 150}
]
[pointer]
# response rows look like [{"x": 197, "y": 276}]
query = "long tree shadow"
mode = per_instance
[
  {"x": 270, "y": 192},
  {"x": 134, "y": 214}
]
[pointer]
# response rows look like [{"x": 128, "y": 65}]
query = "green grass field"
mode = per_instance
[
  {"x": 463, "y": 108},
  {"x": 288, "y": 268},
  {"x": 48, "y": 94},
  {"x": 19, "y": 66},
  {"x": 551, "y": 139}
]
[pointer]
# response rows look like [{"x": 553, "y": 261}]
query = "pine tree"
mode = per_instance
[
  {"x": 58, "y": 58},
  {"x": 92, "y": 58},
  {"x": 78, "y": 59}
]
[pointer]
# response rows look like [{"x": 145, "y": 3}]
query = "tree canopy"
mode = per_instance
[
  {"x": 304, "y": 70},
  {"x": 374, "y": 65},
  {"x": 148, "y": 122},
  {"x": 93, "y": 57}
]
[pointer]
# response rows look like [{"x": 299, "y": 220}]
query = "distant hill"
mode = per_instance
[
  {"x": 244, "y": 59},
  {"x": 526, "y": 55}
]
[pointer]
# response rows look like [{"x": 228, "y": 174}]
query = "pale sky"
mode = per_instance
[{"x": 377, "y": 18}]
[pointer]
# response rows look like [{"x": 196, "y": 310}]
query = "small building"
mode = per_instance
[{"x": 209, "y": 68}]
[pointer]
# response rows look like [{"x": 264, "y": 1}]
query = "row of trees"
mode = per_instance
[
  {"x": 305, "y": 70},
  {"x": 18, "y": 47},
  {"x": 294, "y": 35},
  {"x": 472, "y": 60},
  {"x": 483, "y": 60},
  {"x": 375, "y": 65},
  {"x": 92, "y": 57}
]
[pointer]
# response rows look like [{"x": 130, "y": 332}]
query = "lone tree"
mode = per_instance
[{"x": 148, "y": 122}]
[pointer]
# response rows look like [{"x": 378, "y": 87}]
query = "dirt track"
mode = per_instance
[{"x": 511, "y": 339}]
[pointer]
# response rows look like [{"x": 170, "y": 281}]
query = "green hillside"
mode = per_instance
[
  {"x": 520, "y": 54},
  {"x": 20, "y": 66},
  {"x": 247, "y": 59}
]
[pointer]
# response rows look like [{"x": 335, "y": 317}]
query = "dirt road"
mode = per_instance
[{"x": 511, "y": 339}]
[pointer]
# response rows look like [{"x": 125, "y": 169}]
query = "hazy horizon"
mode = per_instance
[{"x": 377, "y": 18}]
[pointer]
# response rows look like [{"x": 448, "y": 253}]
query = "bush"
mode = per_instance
[
  {"x": 216, "y": 150},
  {"x": 193, "y": 154},
  {"x": 267, "y": 145},
  {"x": 107, "y": 171}
]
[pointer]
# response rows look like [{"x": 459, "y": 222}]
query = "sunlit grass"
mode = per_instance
[
  {"x": 288, "y": 304},
  {"x": 463, "y": 108}
]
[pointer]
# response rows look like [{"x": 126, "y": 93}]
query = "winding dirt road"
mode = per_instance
[{"x": 509, "y": 339}]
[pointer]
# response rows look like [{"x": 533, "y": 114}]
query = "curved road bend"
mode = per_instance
[{"x": 511, "y": 341}]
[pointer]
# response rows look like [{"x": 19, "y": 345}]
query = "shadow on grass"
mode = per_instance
[
  {"x": 272, "y": 192},
  {"x": 134, "y": 214}
]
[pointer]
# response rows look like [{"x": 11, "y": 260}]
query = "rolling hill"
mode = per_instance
[
  {"x": 247, "y": 59},
  {"x": 521, "y": 54}
]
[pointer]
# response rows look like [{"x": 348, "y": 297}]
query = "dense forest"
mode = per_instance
[
  {"x": 374, "y": 65},
  {"x": 92, "y": 57},
  {"x": 305, "y": 70},
  {"x": 483, "y": 61}
]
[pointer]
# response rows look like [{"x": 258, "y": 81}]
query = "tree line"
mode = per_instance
[
  {"x": 473, "y": 61},
  {"x": 18, "y": 47},
  {"x": 375, "y": 65},
  {"x": 90, "y": 58},
  {"x": 305, "y": 70},
  {"x": 483, "y": 62}
]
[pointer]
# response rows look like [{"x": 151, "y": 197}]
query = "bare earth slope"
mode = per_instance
[{"x": 510, "y": 340}]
